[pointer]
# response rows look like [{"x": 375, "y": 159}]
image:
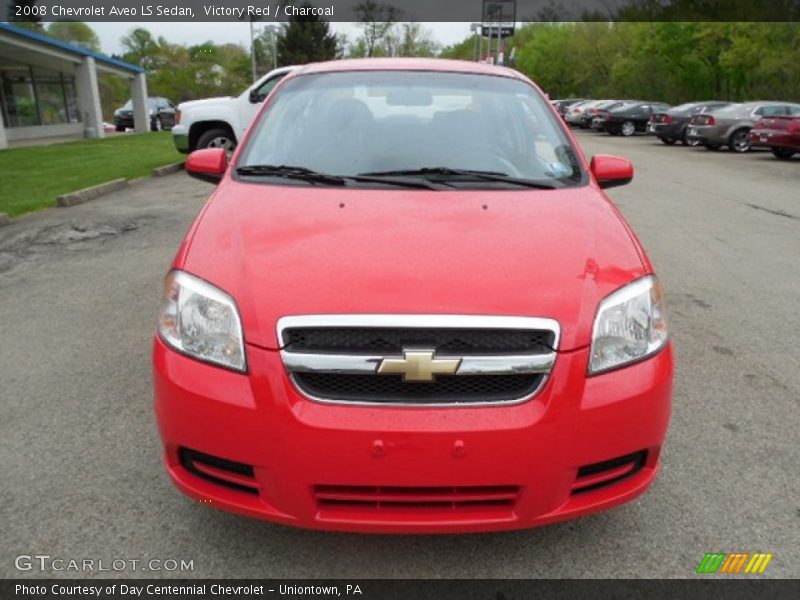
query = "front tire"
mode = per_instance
[
  {"x": 628, "y": 128},
  {"x": 740, "y": 141},
  {"x": 783, "y": 153},
  {"x": 156, "y": 124},
  {"x": 217, "y": 138}
]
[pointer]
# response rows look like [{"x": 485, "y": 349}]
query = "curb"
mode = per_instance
[
  {"x": 91, "y": 193},
  {"x": 161, "y": 171}
]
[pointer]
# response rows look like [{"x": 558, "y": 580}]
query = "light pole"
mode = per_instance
[
  {"x": 475, "y": 28},
  {"x": 274, "y": 29},
  {"x": 253, "y": 50}
]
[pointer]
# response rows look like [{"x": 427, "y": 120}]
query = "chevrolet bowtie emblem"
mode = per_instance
[{"x": 418, "y": 365}]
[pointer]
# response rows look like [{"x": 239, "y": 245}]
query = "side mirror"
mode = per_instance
[
  {"x": 611, "y": 171},
  {"x": 256, "y": 97},
  {"x": 209, "y": 164}
]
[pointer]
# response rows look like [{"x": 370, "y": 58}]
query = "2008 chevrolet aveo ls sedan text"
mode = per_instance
[{"x": 408, "y": 306}]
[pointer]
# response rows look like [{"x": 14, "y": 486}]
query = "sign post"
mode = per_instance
[{"x": 499, "y": 18}]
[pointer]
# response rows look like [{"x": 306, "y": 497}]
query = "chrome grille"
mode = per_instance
[{"x": 338, "y": 358}]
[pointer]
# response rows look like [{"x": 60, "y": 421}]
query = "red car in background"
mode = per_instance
[
  {"x": 781, "y": 134},
  {"x": 408, "y": 306}
]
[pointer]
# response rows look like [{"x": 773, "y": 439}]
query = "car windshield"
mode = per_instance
[{"x": 412, "y": 124}]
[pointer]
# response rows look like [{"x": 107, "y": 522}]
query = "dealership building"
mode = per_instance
[{"x": 49, "y": 90}]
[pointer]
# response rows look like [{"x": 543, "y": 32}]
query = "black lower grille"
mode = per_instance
[
  {"x": 221, "y": 471},
  {"x": 390, "y": 388},
  {"x": 392, "y": 340},
  {"x": 602, "y": 474}
]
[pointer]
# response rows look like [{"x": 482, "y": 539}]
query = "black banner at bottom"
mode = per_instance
[{"x": 396, "y": 589}]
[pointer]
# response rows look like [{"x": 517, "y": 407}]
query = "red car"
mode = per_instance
[
  {"x": 408, "y": 306},
  {"x": 780, "y": 133}
]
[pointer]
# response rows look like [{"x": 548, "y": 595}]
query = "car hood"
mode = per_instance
[
  {"x": 294, "y": 250},
  {"x": 205, "y": 102}
]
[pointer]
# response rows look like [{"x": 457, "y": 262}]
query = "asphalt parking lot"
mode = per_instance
[{"x": 80, "y": 456}]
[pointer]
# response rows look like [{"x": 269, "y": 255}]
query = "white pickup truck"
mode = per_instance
[{"x": 221, "y": 122}]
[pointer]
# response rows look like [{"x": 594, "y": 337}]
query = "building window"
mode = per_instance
[
  {"x": 19, "y": 98},
  {"x": 33, "y": 96}
]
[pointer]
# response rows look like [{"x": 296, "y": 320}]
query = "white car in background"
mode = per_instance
[{"x": 221, "y": 122}]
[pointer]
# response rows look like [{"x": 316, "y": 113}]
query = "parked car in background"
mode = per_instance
[
  {"x": 601, "y": 112},
  {"x": 574, "y": 114},
  {"x": 561, "y": 106},
  {"x": 632, "y": 118},
  {"x": 160, "y": 110},
  {"x": 220, "y": 122},
  {"x": 440, "y": 393},
  {"x": 730, "y": 126},
  {"x": 670, "y": 126},
  {"x": 592, "y": 112},
  {"x": 779, "y": 133}
]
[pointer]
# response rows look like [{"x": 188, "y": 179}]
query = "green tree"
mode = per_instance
[
  {"x": 463, "y": 50},
  {"x": 140, "y": 47},
  {"x": 306, "y": 39},
  {"x": 74, "y": 32},
  {"x": 415, "y": 40},
  {"x": 377, "y": 22}
]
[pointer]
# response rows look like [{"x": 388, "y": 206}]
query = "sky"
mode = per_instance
[{"x": 239, "y": 33}]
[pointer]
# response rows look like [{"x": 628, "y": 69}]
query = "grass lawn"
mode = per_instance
[{"x": 32, "y": 177}]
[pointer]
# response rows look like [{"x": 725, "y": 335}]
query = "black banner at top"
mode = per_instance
[{"x": 143, "y": 11}]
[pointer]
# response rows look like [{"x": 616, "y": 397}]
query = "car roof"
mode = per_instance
[{"x": 408, "y": 64}]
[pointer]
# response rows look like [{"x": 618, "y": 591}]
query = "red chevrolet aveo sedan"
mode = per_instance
[{"x": 408, "y": 306}]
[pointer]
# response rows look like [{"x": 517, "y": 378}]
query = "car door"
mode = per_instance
[{"x": 642, "y": 113}]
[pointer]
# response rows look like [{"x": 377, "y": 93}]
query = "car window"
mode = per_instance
[
  {"x": 265, "y": 88},
  {"x": 771, "y": 111},
  {"x": 794, "y": 109},
  {"x": 351, "y": 123},
  {"x": 686, "y": 108}
]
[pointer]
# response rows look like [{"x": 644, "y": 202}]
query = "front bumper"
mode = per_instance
[
  {"x": 180, "y": 136},
  {"x": 295, "y": 445}
]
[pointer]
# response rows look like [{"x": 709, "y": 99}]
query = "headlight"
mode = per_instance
[
  {"x": 201, "y": 321},
  {"x": 630, "y": 325}
]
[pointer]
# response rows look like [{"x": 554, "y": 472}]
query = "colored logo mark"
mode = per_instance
[{"x": 734, "y": 563}]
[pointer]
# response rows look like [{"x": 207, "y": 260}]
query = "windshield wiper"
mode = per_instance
[
  {"x": 306, "y": 174},
  {"x": 290, "y": 172},
  {"x": 444, "y": 174}
]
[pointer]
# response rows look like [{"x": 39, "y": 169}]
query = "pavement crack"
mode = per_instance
[{"x": 779, "y": 213}]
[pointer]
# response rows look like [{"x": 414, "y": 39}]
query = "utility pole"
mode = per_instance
[
  {"x": 477, "y": 33},
  {"x": 274, "y": 29},
  {"x": 253, "y": 51}
]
